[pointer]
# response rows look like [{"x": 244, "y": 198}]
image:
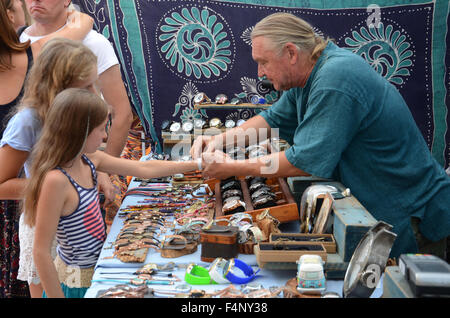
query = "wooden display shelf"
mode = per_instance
[
  {"x": 286, "y": 209},
  {"x": 230, "y": 106},
  {"x": 180, "y": 136}
]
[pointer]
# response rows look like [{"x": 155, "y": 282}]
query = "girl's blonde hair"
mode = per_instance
[
  {"x": 281, "y": 28},
  {"x": 74, "y": 113},
  {"x": 61, "y": 63}
]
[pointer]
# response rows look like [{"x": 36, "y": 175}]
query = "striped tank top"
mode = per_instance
[{"x": 81, "y": 234}]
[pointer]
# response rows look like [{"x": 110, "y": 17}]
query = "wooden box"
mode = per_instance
[
  {"x": 350, "y": 219},
  {"x": 219, "y": 244},
  {"x": 395, "y": 284},
  {"x": 351, "y": 222},
  {"x": 286, "y": 209},
  {"x": 288, "y": 252},
  {"x": 326, "y": 240}
]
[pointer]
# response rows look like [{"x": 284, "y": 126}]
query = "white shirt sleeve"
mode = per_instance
[
  {"x": 103, "y": 49},
  {"x": 22, "y": 130},
  {"x": 22, "y": 133}
]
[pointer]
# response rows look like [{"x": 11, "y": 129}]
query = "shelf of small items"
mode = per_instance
[
  {"x": 230, "y": 106},
  {"x": 184, "y": 140},
  {"x": 175, "y": 133}
]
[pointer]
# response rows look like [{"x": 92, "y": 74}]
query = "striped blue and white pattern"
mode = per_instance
[{"x": 80, "y": 235}]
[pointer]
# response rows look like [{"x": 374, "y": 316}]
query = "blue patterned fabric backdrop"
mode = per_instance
[{"x": 170, "y": 50}]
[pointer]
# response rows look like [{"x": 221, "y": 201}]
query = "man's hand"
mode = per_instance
[
  {"x": 201, "y": 144},
  {"x": 214, "y": 163}
]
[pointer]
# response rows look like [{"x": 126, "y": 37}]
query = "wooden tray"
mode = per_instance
[
  {"x": 286, "y": 209},
  {"x": 265, "y": 254},
  {"x": 328, "y": 241}
]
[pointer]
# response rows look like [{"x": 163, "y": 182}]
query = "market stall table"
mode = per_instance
[{"x": 108, "y": 267}]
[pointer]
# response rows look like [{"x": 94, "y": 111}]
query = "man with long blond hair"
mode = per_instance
[{"x": 345, "y": 122}]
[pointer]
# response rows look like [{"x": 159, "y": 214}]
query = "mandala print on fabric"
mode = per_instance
[
  {"x": 252, "y": 87},
  {"x": 186, "y": 101},
  {"x": 387, "y": 50},
  {"x": 246, "y": 35},
  {"x": 194, "y": 44}
]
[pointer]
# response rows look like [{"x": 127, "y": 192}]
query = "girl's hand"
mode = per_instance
[
  {"x": 200, "y": 144},
  {"x": 106, "y": 186},
  {"x": 77, "y": 19}
]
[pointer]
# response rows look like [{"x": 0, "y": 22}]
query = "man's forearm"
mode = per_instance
[
  {"x": 114, "y": 93},
  {"x": 273, "y": 165},
  {"x": 117, "y": 136}
]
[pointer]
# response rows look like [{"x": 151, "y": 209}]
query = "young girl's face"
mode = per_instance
[{"x": 96, "y": 137}]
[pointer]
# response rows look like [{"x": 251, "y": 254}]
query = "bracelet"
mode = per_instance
[
  {"x": 197, "y": 275},
  {"x": 217, "y": 269},
  {"x": 243, "y": 233},
  {"x": 199, "y": 163},
  {"x": 258, "y": 235},
  {"x": 237, "y": 218},
  {"x": 246, "y": 269}
]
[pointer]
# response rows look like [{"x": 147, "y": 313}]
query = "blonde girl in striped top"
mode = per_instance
[{"x": 61, "y": 197}]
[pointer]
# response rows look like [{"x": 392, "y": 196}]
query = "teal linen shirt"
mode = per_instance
[{"x": 350, "y": 124}]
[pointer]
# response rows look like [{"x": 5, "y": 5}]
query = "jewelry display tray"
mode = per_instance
[
  {"x": 289, "y": 252},
  {"x": 286, "y": 209},
  {"x": 327, "y": 240}
]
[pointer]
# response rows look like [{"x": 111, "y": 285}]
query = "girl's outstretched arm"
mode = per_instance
[
  {"x": 142, "y": 169},
  {"x": 48, "y": 211}
]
